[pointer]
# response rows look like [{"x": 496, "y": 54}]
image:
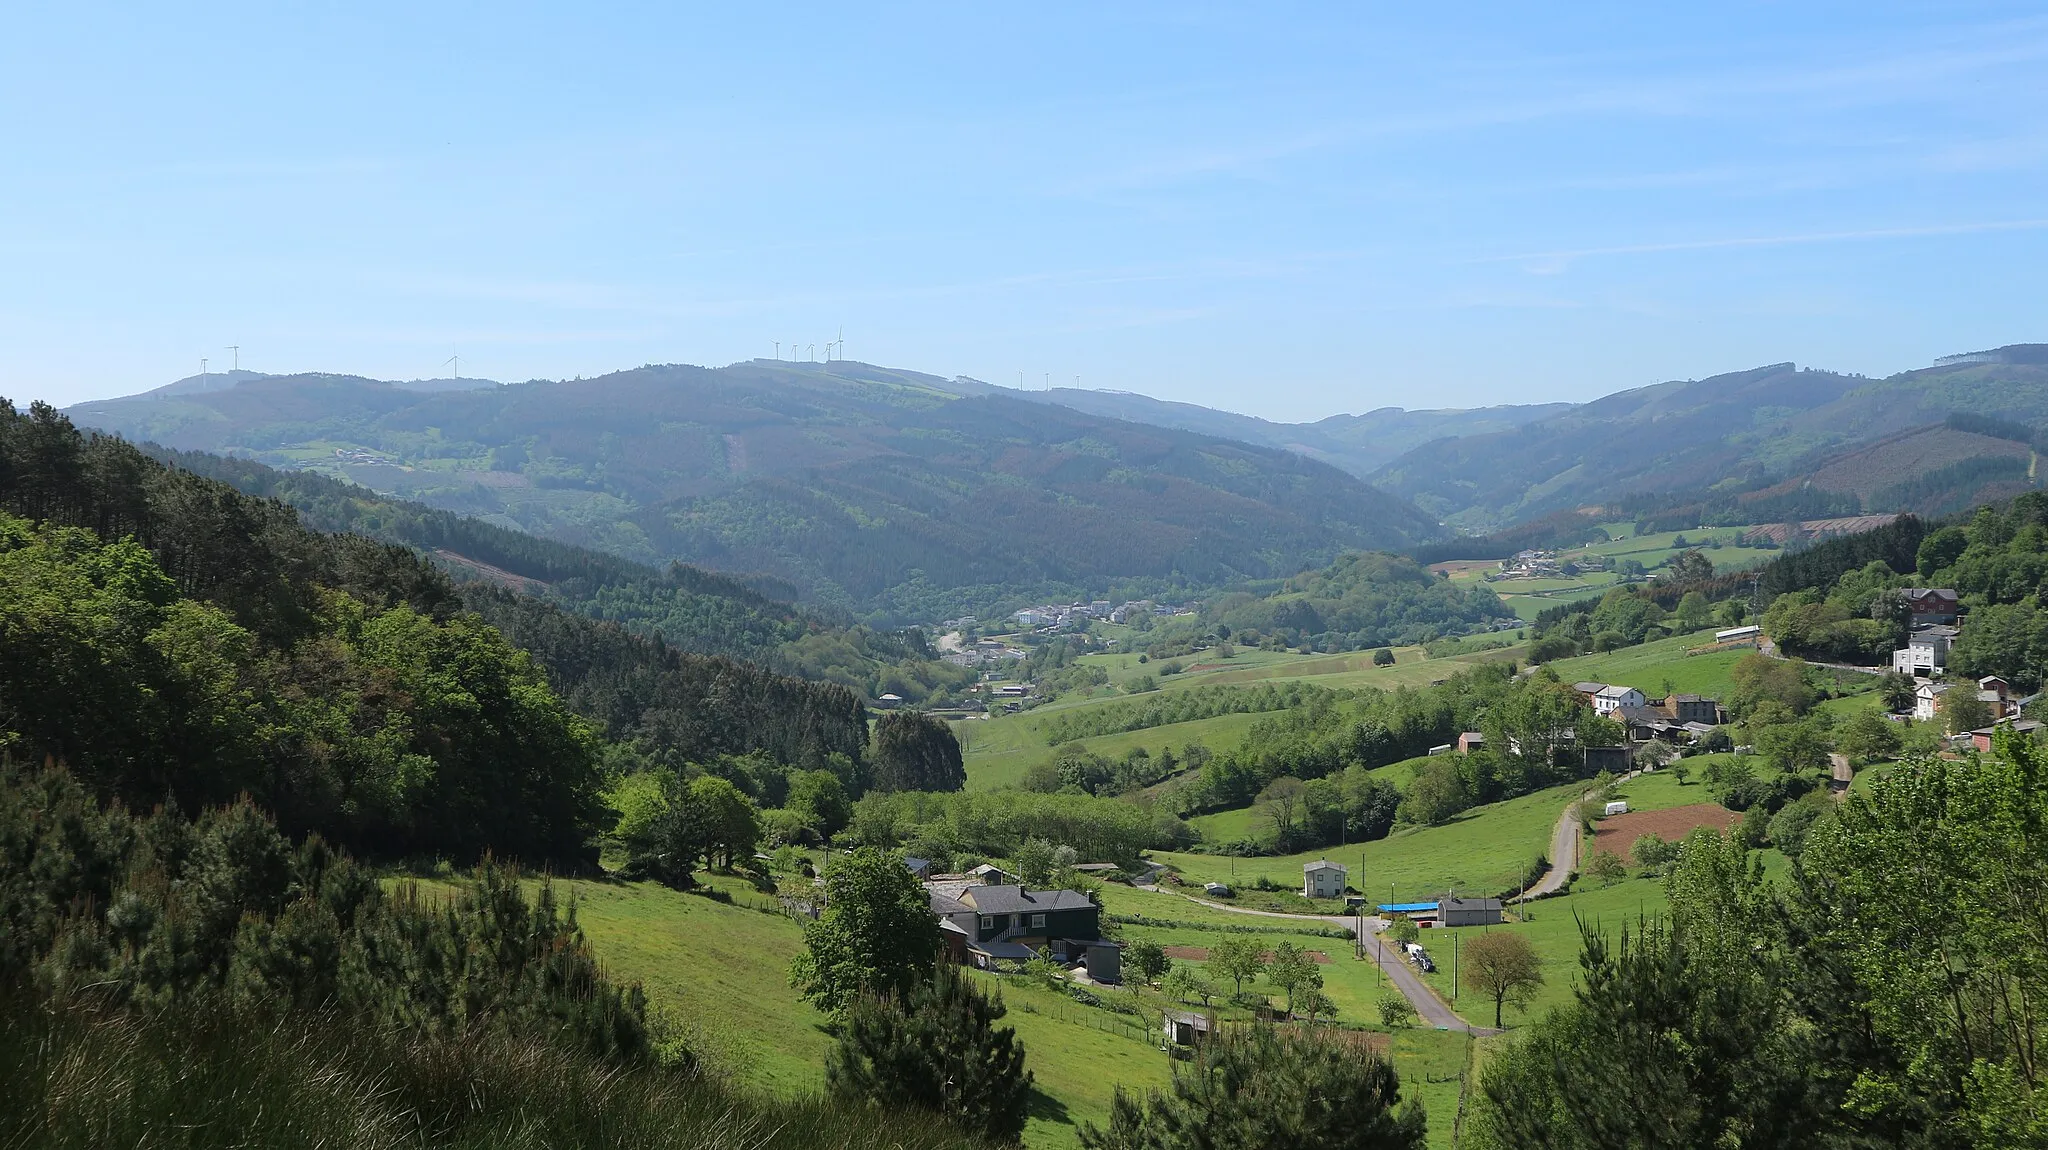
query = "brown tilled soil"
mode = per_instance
[{"x": 1618, "y": 833}]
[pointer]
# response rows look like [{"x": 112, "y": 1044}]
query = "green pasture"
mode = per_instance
[
  {"x": 1647, "y": 667},
  {"x": 997, "y": 755},
  {"x": 1552, "y": 928},
  {"x": 1660, "y": 790},
  {"x": 721, "y": 971},
  {"x": 1246, "y": 822},
  {"x": 1482, "y": 851}
]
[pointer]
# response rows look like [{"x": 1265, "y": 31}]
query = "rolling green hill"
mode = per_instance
[
  {"x": 892, "y": 495},
  {"x": 1740, "y": 431}
]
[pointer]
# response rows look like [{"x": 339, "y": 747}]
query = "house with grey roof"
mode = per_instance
[{"x": 1011, "y": 923}]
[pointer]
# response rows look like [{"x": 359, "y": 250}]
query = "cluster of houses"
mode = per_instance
[
  {"x": 983, "y": 653},
  {"x": 1075, "y": 615},
  {"x": 1681, "y": 720},
  {"x": 1542, "y": 565},
  {"x": 1935, "y": 619},
  {"x": 988, "y": 918},
  {"x": 363, "y": 457}
]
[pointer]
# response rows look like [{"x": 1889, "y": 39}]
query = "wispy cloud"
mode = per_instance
[{"x": 1553, "y": 262}]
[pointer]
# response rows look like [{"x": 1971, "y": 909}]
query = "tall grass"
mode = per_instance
[{"x": 78, "y": 1072}]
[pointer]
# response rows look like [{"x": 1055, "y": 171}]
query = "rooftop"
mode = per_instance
[{"x": 1017, "y": 900}]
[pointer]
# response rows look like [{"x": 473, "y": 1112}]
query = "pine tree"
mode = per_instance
[
  {"x": 1259, "y": 1087},
  {"x": 938, "y": 1049}
]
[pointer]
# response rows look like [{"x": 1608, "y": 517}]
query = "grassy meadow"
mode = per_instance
[{"x": 1482, "y": 851}]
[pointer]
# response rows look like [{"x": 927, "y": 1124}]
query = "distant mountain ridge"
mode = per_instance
[
  {"x": 235, "y": 377},
  {"x": 893, "y": 495},
  {"x": 1733, "y": 432},
  {"x": 1359, "y": 444}
]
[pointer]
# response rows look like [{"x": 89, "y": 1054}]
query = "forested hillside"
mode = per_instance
[
  {"x": 1363, "y": 599},
  {"x": 1738, "y": 432},
  {"x": 173, "y": 639},
  {"x": 690, "y": 609},
  {"x": 886, "y": 494}
]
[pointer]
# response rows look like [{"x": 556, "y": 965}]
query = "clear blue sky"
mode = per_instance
[{"x": 1290, "y": 210}]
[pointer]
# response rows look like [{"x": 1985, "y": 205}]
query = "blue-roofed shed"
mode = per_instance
[{"x": 1407, "y": 908}]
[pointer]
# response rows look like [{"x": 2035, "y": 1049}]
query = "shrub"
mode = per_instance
[{"x": 938, "y": 1050}]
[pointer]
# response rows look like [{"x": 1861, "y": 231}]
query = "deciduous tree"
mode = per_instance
[
  {"x": 877, "y": 936},
  {"x": 1503, "y": 966},
  {"x": 1238, "y": 959}
]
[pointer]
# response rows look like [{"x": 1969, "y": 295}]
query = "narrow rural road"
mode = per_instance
[
  {"x": 1431, "y": 1009},
  {"x": 1564, "y": 854},
  {"x": 1564, "y": 847},
  {"x": 1842, "y": 775}
]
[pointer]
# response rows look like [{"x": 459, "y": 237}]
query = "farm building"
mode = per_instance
[
  {"x": 1449, "y": 910},
  {"x": 1468, "y": 911},
  {"x": 1323, "y": 879},
  {"x": 1183, "y": 1028}
]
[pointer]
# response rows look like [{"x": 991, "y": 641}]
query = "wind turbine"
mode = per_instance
[
  {"x": 202, "y": 373},
  {"x": 778, "y": 351},
  {"x": 237, "y": 349},
  {"x": 457, "y": 361},
  {"x": 810, "y": 353}
]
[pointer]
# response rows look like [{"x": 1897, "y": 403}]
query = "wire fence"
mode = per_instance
[{"x": 1122, "y": 1025}]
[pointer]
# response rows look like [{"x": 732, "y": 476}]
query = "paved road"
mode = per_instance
[
  {"x": 1564, "y": 848},
  {"x": 1564, "y": 854},
  {"x": 1842, "y": 774},
  {"x": 1431, "y": 1009}
]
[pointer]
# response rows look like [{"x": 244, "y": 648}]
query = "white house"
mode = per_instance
[
  {"x": 1611, "y": 699},
  {"x": 1323, "y": 879},
  {"x": 1926, "y": 651},
  {"x": 1927, "y": 700}
]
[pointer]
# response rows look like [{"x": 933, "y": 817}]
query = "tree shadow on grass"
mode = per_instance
[{"x": 1046, "y": 1108}]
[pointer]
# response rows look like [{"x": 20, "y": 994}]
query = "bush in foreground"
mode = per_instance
[
  {"x": 1261, "y": 1088},
  {"x": 938, "y": 1050}
]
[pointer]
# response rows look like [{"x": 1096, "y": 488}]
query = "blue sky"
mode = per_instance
[{"x": 1290, "y": 210}]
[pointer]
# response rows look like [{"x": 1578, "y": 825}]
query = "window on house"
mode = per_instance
[
  {"x": 1037, "y": 920},
  {"x": 988, "y": 922}
]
